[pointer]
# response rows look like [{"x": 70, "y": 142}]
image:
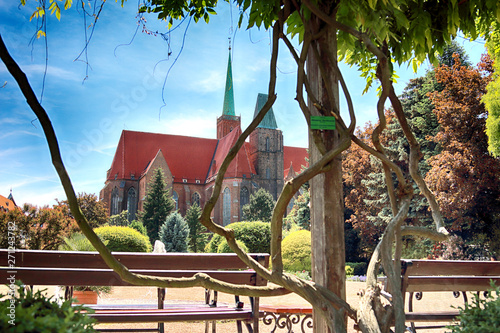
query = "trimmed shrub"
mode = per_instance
[
  {"x": 123, "y": 239},
  {"x": 224, "y": 247},
  {"x": 77, "y": 242},
  {"x": 349, "y": 270},
  {"x": 174, "y": 233},
  {"x": 35, "y": 312},
  {"x": 296, "y": 251},
  {"x": 255, "y": 235}
]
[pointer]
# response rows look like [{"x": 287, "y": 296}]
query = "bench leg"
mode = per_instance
[
  {"x": 254, "y": 302},
  {"x": 161, "y": 300},
  {"x": 211, "y": 303}
]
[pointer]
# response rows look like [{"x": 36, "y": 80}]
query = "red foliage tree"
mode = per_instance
[
  {"x": 464, "y": 177},
  {"x": 35, "y": 228}
]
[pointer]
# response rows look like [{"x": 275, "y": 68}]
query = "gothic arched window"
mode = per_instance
[
  {"x": 268, "y": 148},
  {"x": 226, "y": 206},
  {"x": 268, "y": 173},
  {"x": 244, "y": 197},
  {"x": 131, "y": 204},
  {"x": 176, "y": 199},
  {"x": 114, "y": 201},
  {"x": 195, "y": 199}
]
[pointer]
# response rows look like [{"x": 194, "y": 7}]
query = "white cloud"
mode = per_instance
[
  {"x": 56, "y": 72},
  {"x": 199, "y": 127},
  {"x": 13, "y": 151},
  {"x": 214, "y": 81},
  {"x": 13, "y": 133}
]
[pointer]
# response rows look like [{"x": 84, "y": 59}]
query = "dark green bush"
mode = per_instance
[
  {"x": 224, "y": 247},
  {"x": 123, "y": 239},
  {"x": 359, "y": 268},
  {"x": 255, "y": 235},
  {"x": 482, "y": 316},
  {"x": 296, "y": 251},
  {"x": 34, "y": 312},
  {"x": 139, "y": 226}
]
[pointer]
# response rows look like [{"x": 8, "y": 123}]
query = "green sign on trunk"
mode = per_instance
[{"x": 322, "y": 123}]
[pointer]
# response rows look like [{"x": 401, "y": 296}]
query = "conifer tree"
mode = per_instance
[
  {"x": 157, "y": 205},
  {"x": 197, "y": 232},
  {"x": 260, "y": 206},
  {"x": 174, "y": 233}
]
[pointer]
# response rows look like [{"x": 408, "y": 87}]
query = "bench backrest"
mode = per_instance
[
  {"x": 449, "y": 275},
  {"x": 451, "y": 267},
  {"x": 88, "y": 268}
]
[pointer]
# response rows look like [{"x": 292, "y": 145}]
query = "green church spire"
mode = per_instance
[{"x": 228, "y": 108}]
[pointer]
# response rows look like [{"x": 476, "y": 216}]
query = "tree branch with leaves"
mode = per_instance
[{"x": 371, "y": 35}]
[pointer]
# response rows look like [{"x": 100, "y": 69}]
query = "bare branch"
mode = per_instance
[{"x": 424, "y": 232}]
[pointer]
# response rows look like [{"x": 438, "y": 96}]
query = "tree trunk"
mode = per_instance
[{"x": 327, "y": 208}]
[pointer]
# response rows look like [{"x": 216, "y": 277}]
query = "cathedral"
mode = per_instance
[{"x": 191, "y": 164}]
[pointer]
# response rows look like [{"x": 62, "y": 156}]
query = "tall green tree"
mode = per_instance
[
  {"x": 198, "y": 236},
  {"x": 260, "y": 207},
  {"x": 174, "y": 233},
  {"x": 158, "y": 204},
  {"x": 370, "y": 34},
  {"x": 492, "y": 97}
]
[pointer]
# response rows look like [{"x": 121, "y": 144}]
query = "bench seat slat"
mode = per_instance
[
  {"x": 431, "y": 316},
  {"x": 166, "y": 316}
]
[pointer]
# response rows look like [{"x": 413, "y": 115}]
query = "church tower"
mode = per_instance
[
  {"x": 228, "y": 121},
  {"x": 266, "y": 150}
]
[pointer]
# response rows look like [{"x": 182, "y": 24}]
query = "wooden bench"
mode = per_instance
[
  {"x": 457, "y": 276},
  {"x": 66, "y": 268}
]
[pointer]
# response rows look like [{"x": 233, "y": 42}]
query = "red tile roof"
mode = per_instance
[
  {"x": 296, "y": 157},
  {"x": 6, "y": 204},
  {"x": 187, "y": 157},
  {"x": 241, "y": 163}
]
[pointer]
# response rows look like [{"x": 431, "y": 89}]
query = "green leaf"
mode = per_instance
[{"x": 372, "y": 4}]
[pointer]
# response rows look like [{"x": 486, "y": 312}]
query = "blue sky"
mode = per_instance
[{"x": 123, "y": 90}]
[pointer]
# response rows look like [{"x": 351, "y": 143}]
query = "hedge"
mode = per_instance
[
  {"x": 123, "y": 239},
  {"x": 296, "y": 251},
  {"x": 255, "y": 235}
]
